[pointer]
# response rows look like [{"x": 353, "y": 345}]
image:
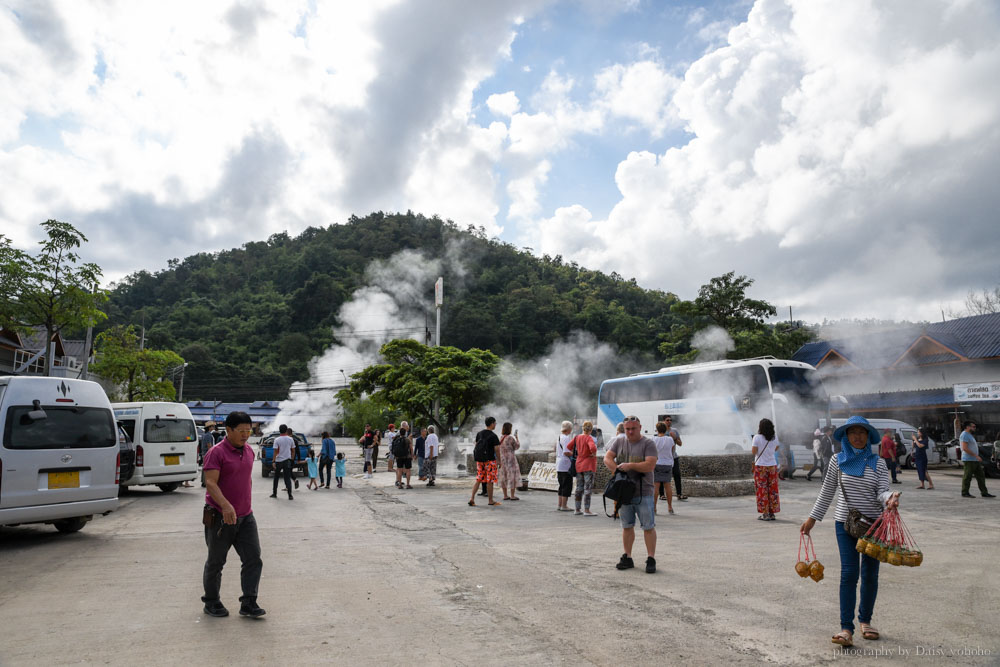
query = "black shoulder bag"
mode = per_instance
[{"x": 857, "y": 525}]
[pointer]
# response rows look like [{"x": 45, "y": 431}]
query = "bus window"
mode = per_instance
[{"x": 801, "y": 381}]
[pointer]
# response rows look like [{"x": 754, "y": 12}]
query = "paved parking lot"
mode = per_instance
[{"x": 375, "y": 575}]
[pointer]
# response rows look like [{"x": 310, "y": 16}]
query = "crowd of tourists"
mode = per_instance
[{"x": 845, "y": 459}]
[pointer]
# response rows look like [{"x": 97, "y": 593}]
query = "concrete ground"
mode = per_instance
[{"x": 375, "y": 575}]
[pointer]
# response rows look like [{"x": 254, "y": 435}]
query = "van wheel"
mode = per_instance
[
  {"x": 70, "y": 525},
  {"x": 168, "y": 487}
]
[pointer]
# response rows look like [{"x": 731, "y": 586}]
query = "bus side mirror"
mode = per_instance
[{"x": 780, "y": 397}]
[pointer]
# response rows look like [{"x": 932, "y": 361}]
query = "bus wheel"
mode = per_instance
[
  {"x": 70, "y": 525},
  {"x": 168, "y": 487}
]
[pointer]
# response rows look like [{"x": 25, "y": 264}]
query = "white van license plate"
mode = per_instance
[
  {"x": 172, "y": 460},
  {"x": 64, "y": 480}
]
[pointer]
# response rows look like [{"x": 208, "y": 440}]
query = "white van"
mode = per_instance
[
  {"x": 59, "y": 453},
  {"x": 166, "y": 443},
  {"x": 906, "y": 432}
]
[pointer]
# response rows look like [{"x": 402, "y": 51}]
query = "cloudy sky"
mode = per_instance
[{"x": 845, "y": 154}]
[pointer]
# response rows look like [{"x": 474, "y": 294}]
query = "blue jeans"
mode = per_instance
[
  {"x": 849, "y": 572},
  {"x": 641, "y": 506}
]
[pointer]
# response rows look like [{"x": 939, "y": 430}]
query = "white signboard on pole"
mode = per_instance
[
  {"x": 977, "y": 391},
  {"x": 438, "y": 292}
]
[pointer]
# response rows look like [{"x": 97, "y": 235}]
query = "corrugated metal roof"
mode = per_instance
[
  {"x": 976, "y": 337},
  {"x": 979, "y": 334}
]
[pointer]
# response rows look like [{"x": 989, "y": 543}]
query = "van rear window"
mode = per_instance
[
  {"x": 168, "y": 430},
  {"x": 72, "y": 426}
]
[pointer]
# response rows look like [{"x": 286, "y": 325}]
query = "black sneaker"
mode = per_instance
[
  {"x": 967, "y": 495},
  {"x": 290, "y": 495},
  {"x": 625, "y": 563},
  {"x": 250, "y": 608},
  {"x": 650, "y": 565},
  {"x": 988, "y": 495},
  {"x": 296, "y": 483},
  {"x": 274, "y": 495},
  {"x": 216, "y": 609}
]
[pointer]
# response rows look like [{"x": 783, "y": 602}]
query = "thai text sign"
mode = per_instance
[
  {"x": 977, "y": 391},
  {"x": 543, "y": 476}
]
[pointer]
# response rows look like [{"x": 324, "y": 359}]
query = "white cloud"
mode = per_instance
[
  {"x": 640, "y": 91},
  {"x": 503, "y": 104},
  {"x": 833, "y": 148}
]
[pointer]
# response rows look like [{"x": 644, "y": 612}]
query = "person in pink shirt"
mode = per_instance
[
  {"x": 586, "y": 467},
  {"x": 228, "y": 518}
]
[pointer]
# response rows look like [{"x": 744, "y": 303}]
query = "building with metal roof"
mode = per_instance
[
  {"x": 928, "y": 376},
  {"x": 261, "y": 412}
]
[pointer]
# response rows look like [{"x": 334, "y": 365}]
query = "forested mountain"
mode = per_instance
[{"x": 247, "y": 320}]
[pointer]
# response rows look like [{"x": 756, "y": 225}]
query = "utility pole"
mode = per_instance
[
  {"x": 180, "y": 392},
  {"x": 438, "y": 302}
]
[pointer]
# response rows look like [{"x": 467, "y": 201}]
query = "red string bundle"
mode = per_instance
[{"x": 890, "y": 541}]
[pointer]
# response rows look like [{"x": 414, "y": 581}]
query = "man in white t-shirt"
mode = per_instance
[
  {"x": 284, "y": 445},
  {"x": 387, "y": 438},
  {"x": 431, "y": 449}
]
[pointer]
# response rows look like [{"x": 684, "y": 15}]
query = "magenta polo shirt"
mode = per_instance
[{"x": 235, "y": 467}]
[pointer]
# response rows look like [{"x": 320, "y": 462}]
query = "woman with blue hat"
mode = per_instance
[{"x": 863, "y": 479}]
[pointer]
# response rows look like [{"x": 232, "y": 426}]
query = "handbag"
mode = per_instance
[{"x": 857, "y": 524}]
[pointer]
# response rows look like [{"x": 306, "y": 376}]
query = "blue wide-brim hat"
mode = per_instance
[{"x": 873, "y": 435}]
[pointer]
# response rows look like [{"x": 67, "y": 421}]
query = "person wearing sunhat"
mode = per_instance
[{"x": 863, "y": 479}]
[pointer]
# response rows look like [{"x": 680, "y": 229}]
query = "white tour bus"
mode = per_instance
[
  {"x": 716, "y": 406},
  {"x": 59, "y": 455},
  {"x": 166, "y": 443}
]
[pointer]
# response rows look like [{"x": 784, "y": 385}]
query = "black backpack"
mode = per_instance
[
  {"x": 479, "y": 453},
  {"x": 621, "y": 489},
  {"x": 400, "y": 448}
]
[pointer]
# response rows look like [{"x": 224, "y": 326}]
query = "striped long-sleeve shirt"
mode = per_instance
[{"x": 867, "y": 494}]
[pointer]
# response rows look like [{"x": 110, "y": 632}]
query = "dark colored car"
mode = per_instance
[
  {"x": 266, "y": 454},
  {"x": 126, "y": 450}
]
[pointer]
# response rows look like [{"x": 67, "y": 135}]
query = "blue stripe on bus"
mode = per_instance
[{"x": 613, "y": 413}]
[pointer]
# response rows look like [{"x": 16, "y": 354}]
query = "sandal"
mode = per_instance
[
  {"x": 472, "y": 503},
  {"x": 868, "y": 632},
  {"x": 495, "y": 502},
  {"x": 514, "y": 498},
  {"x": 843, "y": 638}
]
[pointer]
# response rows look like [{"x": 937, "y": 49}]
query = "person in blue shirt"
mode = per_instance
[
  {"x": 341, "y": 466},
  {"x": 312, "y": 466},
  {"x": 972, "y": 461},
  {"x": 326, "y": 457}
]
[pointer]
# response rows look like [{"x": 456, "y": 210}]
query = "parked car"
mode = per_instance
[
  {"x": 126, "y": 452},
  {"x": 166, "y": 443},
  {"x": 266, "y": 454},
  {"x": 60, "y": 453}
]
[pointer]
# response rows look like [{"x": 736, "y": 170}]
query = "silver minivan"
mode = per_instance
[{"x": 58, "y": 453}]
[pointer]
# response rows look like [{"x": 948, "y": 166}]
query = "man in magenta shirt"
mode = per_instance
[{"x": 229, "y": 520}]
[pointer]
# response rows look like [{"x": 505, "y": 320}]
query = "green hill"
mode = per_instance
[{"x": 249, "y": 319}]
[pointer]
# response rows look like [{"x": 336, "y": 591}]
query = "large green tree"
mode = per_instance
[
  {"x": 55, "y": 290},
  {"x": 138, "y": 374},
  {"x": 413, "y": 376}
]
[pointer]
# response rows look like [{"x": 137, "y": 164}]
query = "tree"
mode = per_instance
[
  {"x": 137, "y": 373},
  {"x": 984, "y": 303},
  {"x": 362, "y": 411},
  {"x": 724, "y": 300},
  {"x": 13, "y": 263},
  {"x": 414, "y": 376},
  {"x": 54, "y": 290}
]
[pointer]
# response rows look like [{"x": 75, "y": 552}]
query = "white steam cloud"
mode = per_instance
[
  {"x": 536, "y": 395},
  {"x": 395, "y": 302},
  {"x": 712, "y": 343}
]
